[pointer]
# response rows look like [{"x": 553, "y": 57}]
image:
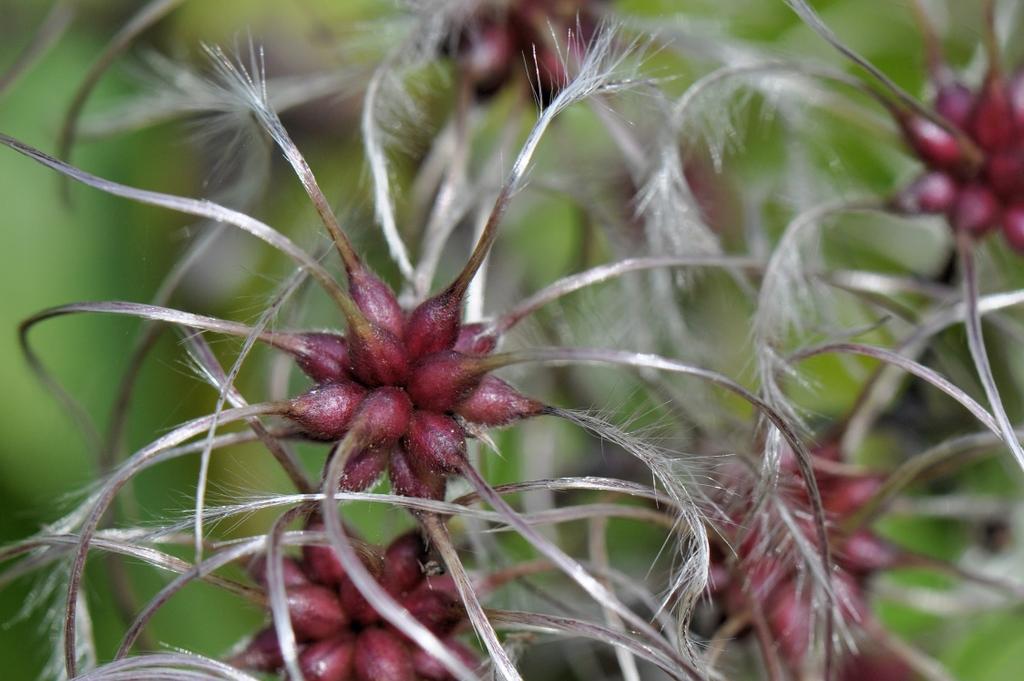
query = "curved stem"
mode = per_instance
[{"x": 57, "y": 21}]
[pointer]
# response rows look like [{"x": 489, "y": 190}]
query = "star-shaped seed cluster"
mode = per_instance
[{"x": 340, "y": 636}]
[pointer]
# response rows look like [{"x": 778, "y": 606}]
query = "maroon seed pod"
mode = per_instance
[
  {"x": 789, "y": 617},
  {"x": 326, "y": 411},
  {"x": 975, "y": 210},
  {"x": 384, "y": 416},
  {"x": 933, "y": 192},
  {"x": 442, "y": 380},
  {"x": 321, "y": 563},
  {"x": 1013, "y": 226},
  {"x": 262, "y": 654},
  {"x": 427, "y": 666},
  {"x": 376, "y": 301},
  {"x": 363, "y": 468},
  {"x": 434, "y": 325},
  {"x": 846, "y": 495},
  {"x": 496, "y": 403},
  {"x": 1015, "y": 91},
  {"x": 355, "y": 604},
  {"x": 876, "y": 667},
  {"x": 377, "y": 356},
  {"x": 315, "y": 612},
  {"x": 1005, "y": 173},
  {"x": 382, "y": 656},
  {"x": 434, "y": 443},
  {"x": 474, "y": 339},
  {"x": 863, "y": 552},
  {"x": 403, "y": 560},
  {"x": 955, "y": 102},
  {"x": 933, "y": 143},
  {"x": 436, "y": 609},
  {"x": 407, "y": 481},
  {"x": 293, "y": 572},
  {"x": 486, "y": 53},
  {"x": 330, "y": 660},
  {"x": 992, "y": 119},
  {"x": 323, "y": 357}
]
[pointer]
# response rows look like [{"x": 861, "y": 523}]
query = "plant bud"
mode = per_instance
[
  {"x": 377, "y": 357},
  {"x": 437, "y": 610},
  {"x": 975, "y": 210},
  {"x": 1013, "y": 226},
  {"x": 442, "y": 380},
  {"x": 376, "y": 301},
  {"x": 496, "y": 403},
  {"x": 407, "y": 481},
  {"x": 434, "y": 442},
  {"x": 381, "y": 656},
  {"x": 434, "y": 325},
  {"x": 402, "y": 563},
  {"x": 262, "y": 654},
  {"x": 329, "y": 660},
  {"x": 954, "y": 102},
  {"x": 486, "y": 54},
  {"x": 355, "y": 604},
  {"x": 322, "y": 565},
  {"x": 864, "y": 552},
  {"x": 933, "y": 192},
  {"x": 324, "y": 357},
  {"x": 1005, "y": 173},
  {"x": 315, "y": 612},
  {"x": 326, "y": 411},
  {"x": 427, "y": 666},
  {"x": 473, "y": 339},
  {"x": 1015, "y": 92},
  {"x": 292, "y": 571},
  {"x": 846, "y": 495},
  {"x": 384, "y": 416},
  {"x": 933, "y": 143},
  {"x": 992, "y": 119},
  {"x": 363, "y": 468}
]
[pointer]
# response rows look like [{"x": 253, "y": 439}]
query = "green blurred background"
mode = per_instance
[{"x": 97, "y": 247}]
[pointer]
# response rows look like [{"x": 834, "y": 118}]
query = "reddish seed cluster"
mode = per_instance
[
  {"x": 977, "y": 188},
  {"x": 408, "y": 383},
  {"x": 501, "y": 41},
  {"x": 341, "y": 636},
  {"x": 774, "y": 582}
]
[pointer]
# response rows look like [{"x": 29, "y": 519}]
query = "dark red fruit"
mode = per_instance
[
  {"x": 496, "y": 403},
  {"x": 263, "y": 653},
  {"x": 293, "y": 572},
  {"x": 863, "y": 552},
  {"x": 427, "y": 666},
  {"x": 438, "y": 610},
  {"x": 384, "y": 416},
  {"x": 486, "y": 54},
  {"x": 976, "y": 209},
  {"x": 936, "y": 145},
  {"x": 323, "y": 357},
  {"x": 1004, "y": 171},
  {"x": 1015, "y": 93},
  {"x": 876, "y": 667},
  {"x": 363, "y": 468},
  {"x": 475, "y": 339},
  {"x": 1013, "y": 227},
  {"x": 315, "y": 612},
  {"x": 381, "y": 656},
  {"x": 403, "y": 562},
  {"x": 434, "y": 443},
  {"x": 376, "y": 301},
  {"x": 846, "y": 495},
  {"x": 992, "y": 119},
  {"x": 442, "y": 380},
  {"x": 325, "y": 412},
  {"x": 955, "y": 102},
  {"x": 355, "y": 604},
  {"x": 933, "y": 192},
  {"x": 322, "y": 564},
  {"x": 434, "y": 325},
  {"x": 377, "y": 357},
  {"x": 332, "y": 659},
  {"x": 408, "y": 481}
]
